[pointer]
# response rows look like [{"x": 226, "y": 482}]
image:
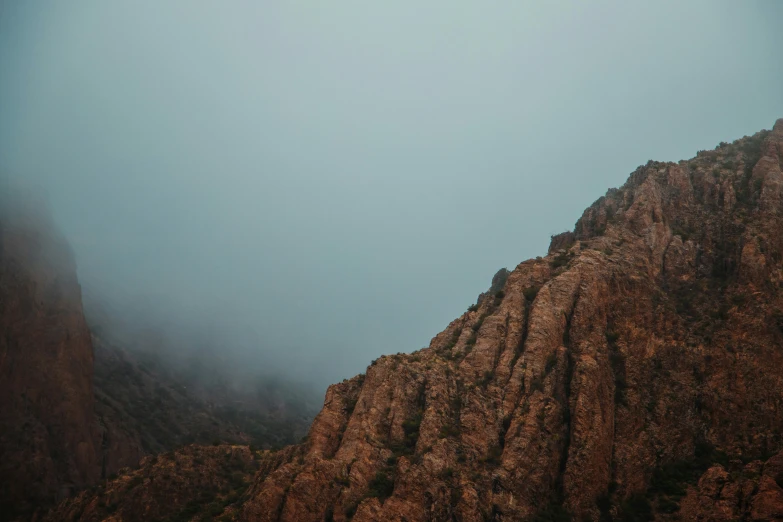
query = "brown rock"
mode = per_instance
[{"x": 48, "y": 434}]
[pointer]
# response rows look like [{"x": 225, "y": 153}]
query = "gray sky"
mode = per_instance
[{"x": 337, "y": 180}]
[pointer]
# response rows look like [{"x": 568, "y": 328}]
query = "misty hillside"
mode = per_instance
[
  {"x": 170, "y": 387},
  {"x": 163, "y": 410},
  {"x": 77, "y": 406}
]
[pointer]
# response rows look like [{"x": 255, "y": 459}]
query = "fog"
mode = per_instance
[{"x": 300, "y": 187}]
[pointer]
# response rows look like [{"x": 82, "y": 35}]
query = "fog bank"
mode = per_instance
[{"x": 299, "y": 188}]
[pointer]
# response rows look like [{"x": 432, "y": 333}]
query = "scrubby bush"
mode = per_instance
[
  {"x": 531, "y": 292},
  {"x": 382, "y": 485},
  {"x": 560, "y": 260}
]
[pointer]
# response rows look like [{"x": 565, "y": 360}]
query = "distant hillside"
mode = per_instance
[
  {"x": 161, "y": 409},
  {"x": 75, "y": 407}
]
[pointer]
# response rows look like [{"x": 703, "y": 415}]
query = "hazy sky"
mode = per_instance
[{"x": 341, "y": 179}]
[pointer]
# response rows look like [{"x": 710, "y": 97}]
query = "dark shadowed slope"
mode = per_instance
[
  {"x": 161, "y": 408},
  {"x": 48, "y": 433}
]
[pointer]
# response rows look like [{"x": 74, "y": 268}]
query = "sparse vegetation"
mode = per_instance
[
  {"x": 531, "y": 292},
  {"x": 449, "y": 431},
  {"x": 486, "y": 379},
  {"x": 560, "y": 260},
  {"x": 382, "y": 485}
]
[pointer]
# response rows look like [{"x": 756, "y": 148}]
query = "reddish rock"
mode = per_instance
[{"x": 48, "y": 433}]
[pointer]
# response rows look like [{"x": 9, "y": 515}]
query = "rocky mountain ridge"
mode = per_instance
[{"x": 635, "y": 373}]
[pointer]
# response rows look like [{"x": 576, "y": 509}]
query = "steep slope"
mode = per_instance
[
  {"x": 140, "y": 397},
  {"x": 634, "y": 373},
  {"x": 174, "y": 486},
  {"x": 71, "y": 416},
  {"x": 47, "y": 429}
]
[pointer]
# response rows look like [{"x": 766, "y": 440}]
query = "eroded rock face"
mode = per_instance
[
  {"x": 750, "y": 492},
  {"x": 597, "y": 382},
  {"x": 642, "y": 357},
  {"x": 48, "y": 432}
]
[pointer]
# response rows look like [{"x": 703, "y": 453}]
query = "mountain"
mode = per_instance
[
  {"x": 159, "y": 409},
  {"x": 634, "y": 373},
  {"x": 77, "y": 407},
  {"x": 48, "y": 433}
]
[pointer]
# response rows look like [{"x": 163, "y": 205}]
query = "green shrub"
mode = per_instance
[
  {"x": 449, "y": 431},
  {"x": 531, "y": 292},
  {"x": 411, "y": 429},
  {"x": 381, "y": 486},
  {"x": 560, "y": 260},
  {"x": 478, "y": 323},
  {"x": 488, "y": 376},
  {"x": 350, "y": 405}
]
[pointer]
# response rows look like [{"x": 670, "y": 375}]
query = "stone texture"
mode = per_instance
[{"x": 48, "y": 433}]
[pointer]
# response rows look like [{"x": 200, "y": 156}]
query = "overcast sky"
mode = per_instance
[{"x": 338, "y": 180}]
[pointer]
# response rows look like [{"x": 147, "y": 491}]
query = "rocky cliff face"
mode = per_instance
[
  {"x": 634, "y": 373},
  {"x": 47, "y": 429}
]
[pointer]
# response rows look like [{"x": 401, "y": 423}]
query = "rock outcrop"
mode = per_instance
[
  {"x": 634, "y": 373},
  {"x": 48, "y": 434},
  {"x": 752, "y": 491}
]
